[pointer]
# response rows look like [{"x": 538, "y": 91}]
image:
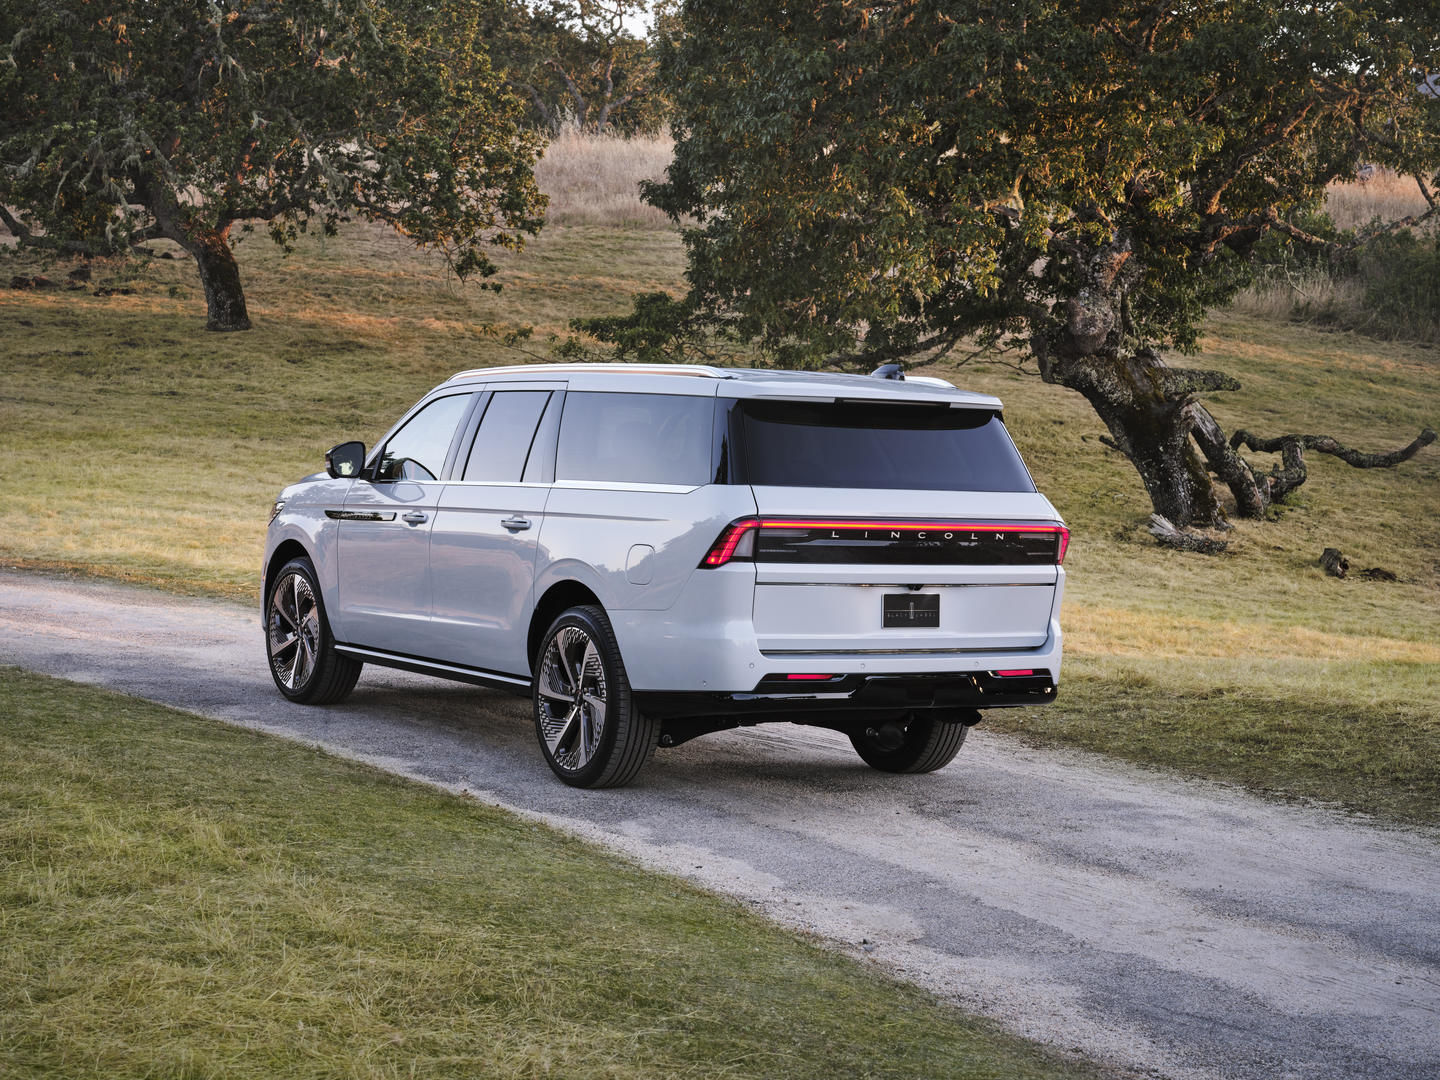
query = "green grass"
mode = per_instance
[
  {"x": 180, "y": 898},
  {"x": 1292, "y": 739},
  {"x": 150, "y": 451}
]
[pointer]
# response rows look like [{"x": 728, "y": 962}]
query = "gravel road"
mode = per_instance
[{"x": 1169, "y": 927}]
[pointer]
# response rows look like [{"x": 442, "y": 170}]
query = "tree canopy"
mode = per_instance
[
  {"x": 1080, "y": 179},
  {"x": 578, "y": 62},
  {"x": 130, "y": 120}
]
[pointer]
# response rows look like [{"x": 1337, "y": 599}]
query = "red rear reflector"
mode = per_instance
[
  {"x": 1012, "y": 674},
  {"x": 809, "y": 676}
]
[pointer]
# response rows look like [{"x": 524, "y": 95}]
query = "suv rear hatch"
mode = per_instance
[{"x": 893, "y": 529}]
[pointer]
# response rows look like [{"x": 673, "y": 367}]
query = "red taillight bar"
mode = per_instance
[{"x": 723, "y": 549}]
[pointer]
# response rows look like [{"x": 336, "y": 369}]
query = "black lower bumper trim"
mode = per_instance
[{"x": 781, "y": 699}]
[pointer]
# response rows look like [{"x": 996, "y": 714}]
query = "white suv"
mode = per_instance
[{"x": 654, "y": 553}]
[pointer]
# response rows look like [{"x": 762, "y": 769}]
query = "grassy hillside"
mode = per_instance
[{"x": 142, "y": 448}]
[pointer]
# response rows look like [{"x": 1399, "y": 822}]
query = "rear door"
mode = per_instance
[{"x": 483, "y": 545}]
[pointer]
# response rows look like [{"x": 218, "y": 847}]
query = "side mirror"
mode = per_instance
[{"x": 345, "y": 460}]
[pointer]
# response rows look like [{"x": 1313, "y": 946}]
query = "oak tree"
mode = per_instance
[
  {"x": 129, "y": 120},
  {"x": 578, "y": 62},
  {"x": 1082, "y": 180}
]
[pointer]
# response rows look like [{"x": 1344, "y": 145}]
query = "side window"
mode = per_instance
[
  {"x": 636, "y": 439},
  {"x": 503, "y": 442},
  {"x": 417, "y": 451}
]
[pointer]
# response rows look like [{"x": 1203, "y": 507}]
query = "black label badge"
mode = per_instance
[{"x": 912, "y": 610}]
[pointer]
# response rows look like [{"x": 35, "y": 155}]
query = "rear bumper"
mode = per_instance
[
  {"x": 859, "y": 693},
  {"x": 705, "y": 647}
]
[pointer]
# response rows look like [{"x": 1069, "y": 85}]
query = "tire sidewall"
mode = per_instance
[{"x": 919, "y": 750}]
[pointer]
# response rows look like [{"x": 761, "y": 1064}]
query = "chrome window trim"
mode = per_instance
[{"x": 620, "y": 485}]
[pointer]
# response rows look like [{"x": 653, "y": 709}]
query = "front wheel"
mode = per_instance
[
  {"x": 916, "y": 743},
  {"x": 303, "y": 661},
  {"x": 590, "y": 731}
]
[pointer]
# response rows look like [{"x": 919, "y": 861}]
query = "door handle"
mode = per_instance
[
  {"x": 414, "y": 517},
  {"x": 516, "y": 524}
]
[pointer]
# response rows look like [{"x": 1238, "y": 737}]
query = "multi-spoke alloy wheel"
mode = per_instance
[
  {"x": 572, "y": 698},
  {"x": 589, "y": 730},
  {"x": 297, "y": 637},
  {"x": 294, "y": 630}
]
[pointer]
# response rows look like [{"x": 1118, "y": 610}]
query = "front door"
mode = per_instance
[{"x": 384, "y": 533}]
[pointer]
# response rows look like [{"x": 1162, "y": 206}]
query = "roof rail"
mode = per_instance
[{"x": 701, "y": 371}]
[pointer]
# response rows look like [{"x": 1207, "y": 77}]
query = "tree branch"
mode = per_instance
[
  {"x": 1324, "y": 444},
  {"x": 1179, "y": 382},
  {"x": 26, "y": 238},
  {"x": 1251, "y": 496}
]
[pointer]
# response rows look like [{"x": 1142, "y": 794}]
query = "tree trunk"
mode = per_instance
[
  {"x": 1152, "y": 414},
  {"x": 224, "y": 297},
  {"x": 1146, "y": 405}
]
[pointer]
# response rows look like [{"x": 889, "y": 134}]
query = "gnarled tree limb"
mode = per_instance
[
  {"x": 1325, "y": 444},
  {"x": 1253, "y": 493}
]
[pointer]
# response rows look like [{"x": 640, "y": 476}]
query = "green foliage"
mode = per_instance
[
  {"x": 576, "y": 62},
  {"x": 1402, "y": 284},
  {"x": 893, "y": 177},
  {"x": 1335, "y": 254},
  {"x": 128, "y": 120},
  {"x": 659, "y": 331}
]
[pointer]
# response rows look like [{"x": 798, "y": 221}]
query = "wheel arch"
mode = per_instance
[
  {"x": 284, "y": 552},
  {"x": 558, "y": 598}
]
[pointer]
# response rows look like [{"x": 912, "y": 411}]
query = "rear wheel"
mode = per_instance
[
  {"x": 303, "y": 661},
  {"x": 916, "y": 743},
  {"x": 590, "y": 731}
]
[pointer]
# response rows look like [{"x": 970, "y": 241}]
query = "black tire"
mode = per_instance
[
  {"x": 577, "y": 669},
  {"x": 303, "y": 661},
  {"x": 926, "y": 742}
]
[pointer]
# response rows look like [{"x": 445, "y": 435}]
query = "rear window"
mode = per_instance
[
  {"x": 636, "y": 439},
  {"x": 919, "y": 447}
]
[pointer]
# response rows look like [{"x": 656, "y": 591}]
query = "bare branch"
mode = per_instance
[
  {"x": 1325, "y": 444},
  {"x": 1179, "y": 382}
]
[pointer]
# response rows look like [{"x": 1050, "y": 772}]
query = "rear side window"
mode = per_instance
[
  {"x": 636, "y": 439},
  {"x": 502, "y": 444},
  {"x": 919, "y": 447}
]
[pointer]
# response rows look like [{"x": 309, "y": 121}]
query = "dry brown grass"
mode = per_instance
[
  {"x": 1304, "y": 295},
  {"x": 1385, "y": 195},
  {"x": 1318, "y": 295},
  {"x": 595, "y": 179}
]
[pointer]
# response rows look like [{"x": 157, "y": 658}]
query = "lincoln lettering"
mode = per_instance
[
  {"x": 897, "y": 534},
  {"x": 902, "y": 535}
]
